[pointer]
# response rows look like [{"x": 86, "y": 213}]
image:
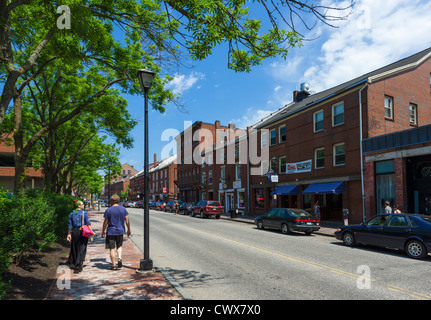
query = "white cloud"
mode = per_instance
[
  {"x": 377, "y": 33},
  {"x": 250, "y": 117},
  {"x": 182, "y": 83}
]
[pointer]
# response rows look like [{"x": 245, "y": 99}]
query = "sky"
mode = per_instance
[{"x": 377, "y": 33}]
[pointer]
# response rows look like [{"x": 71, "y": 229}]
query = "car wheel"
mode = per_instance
[
  {"x": 202, "y": 214},
  {"x": 349, "y": 239},
  {"x": 217, "y": 216},
  {"x": 416, "y": 249},
  {"x": 285, "y": 228},
  {"x": 260, "y": 224}
]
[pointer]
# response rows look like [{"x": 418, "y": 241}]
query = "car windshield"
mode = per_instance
[
  {"x": 213, "y": 203},
  {"x": 300, "y": 213}
]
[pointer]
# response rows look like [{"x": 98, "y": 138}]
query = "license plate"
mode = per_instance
[
  {"x": 214, "y": 208},
  {"x": 309, "y": 223}
]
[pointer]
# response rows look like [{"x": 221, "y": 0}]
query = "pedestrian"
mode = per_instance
[
  {"x": 396, "y": 209},
  {"x": 388, "y": 208},
  {"x": 115, "y": 217},
  {"x": 177, "y": 206},
  {"x": 316, "y": 209},
  {"x": 78, "y": 243}
]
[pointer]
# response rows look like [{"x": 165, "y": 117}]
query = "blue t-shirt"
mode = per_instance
[{"x": 116, "y": 216}]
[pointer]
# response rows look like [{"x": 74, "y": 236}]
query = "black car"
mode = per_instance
[
  {"x": 408, "y": 232},
  {"x": 153, "y": 204},
  {"x": 172, "y": 205},
  {"x": 185, "y": 208},
  {"x": 287, "y": 220}
]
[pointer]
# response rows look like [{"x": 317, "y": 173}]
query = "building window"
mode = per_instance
[
  {"x": 264, "y": 140},
  {"x": 272, "y": 133},
  {"x": 413, "y": 114},
  {"x": 282, "y": 164},
  {"x": 222, "y": 173},
  {"x": 241, "y": 197},
  {"x": 319, "y": 158},
  {"x": 282, "y": 134},
  {"x": 210, "y": 177},
  {"x": 338, "y": 114},
  {"x": 238, "y": 172},
  {"x": 203, "y": 177},
  {"x": 263, "y": 167},
  {"x": 389, "y": 107},
  {"x": 318, "y": 121},
  {"x": 339, "y": 154}
]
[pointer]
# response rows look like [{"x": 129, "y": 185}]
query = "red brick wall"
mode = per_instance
[{"x": 409, "y": 87}]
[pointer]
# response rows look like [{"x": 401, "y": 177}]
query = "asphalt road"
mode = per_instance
[{"x": 227, "y": 260}]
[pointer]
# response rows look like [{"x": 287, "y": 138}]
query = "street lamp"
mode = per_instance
[
  {"x": 109, "y": 183},
  {"x": 145, "y": 80}
]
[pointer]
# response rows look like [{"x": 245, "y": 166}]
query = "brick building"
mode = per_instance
[
  {"x": 137, "y": 181},
  {"x": 33, "y": 177},
  {"x": 120, "y": 182},
  {"x": 315, "y": 143},
  {"x": 209, "y": 164},
  {"x": 162, "y": 180}
]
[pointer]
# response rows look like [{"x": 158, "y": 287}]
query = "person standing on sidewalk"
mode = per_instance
[
  {"x": 115, "y": 217},
  {"x": 78, "y": 243}
]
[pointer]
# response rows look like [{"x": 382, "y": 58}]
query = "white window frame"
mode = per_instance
[
  {"x": 336, "y": 115},
  {"x": 335, "y": 154},
  {"x": 315, "y": 158},
  {"x": 279, "y": 133},
  {"x": 390, "y": 108},
  {"x": 315, "y": 122},
  {"x": 413, "y": 111},
  {"x": 280, "y": 165},
  {"x": 237, "y": 170}
]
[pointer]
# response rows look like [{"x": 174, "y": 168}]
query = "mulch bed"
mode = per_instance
[{"x": 33, "y": 277}]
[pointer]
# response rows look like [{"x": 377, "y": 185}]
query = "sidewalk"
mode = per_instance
[
  {"x": 97, "y": 282},
  {"x": 326, "y": 228}
]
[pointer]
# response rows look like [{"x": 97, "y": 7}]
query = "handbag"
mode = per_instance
[{"x": 86, "y": 230}]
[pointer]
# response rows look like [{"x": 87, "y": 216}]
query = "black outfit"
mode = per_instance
[{"x": 78, "y": 248}]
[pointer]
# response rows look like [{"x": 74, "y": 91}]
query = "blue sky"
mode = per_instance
[{"x": 375, "y": 34}]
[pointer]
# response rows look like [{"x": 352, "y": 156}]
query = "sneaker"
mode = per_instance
[{"x": 120, "y": 263}]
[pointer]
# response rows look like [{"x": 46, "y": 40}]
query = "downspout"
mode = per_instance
[
  {"x": 248, "y": 172},
  {"x": 361, "y": 151}
]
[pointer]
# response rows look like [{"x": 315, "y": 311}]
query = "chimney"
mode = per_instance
[
  {"x": 295, "y": 95},
  {"x": 155, "y": 157}
]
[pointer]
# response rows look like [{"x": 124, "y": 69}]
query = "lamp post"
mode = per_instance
[
  {"x": 109, "y": 183},
  {"x": 145, "y": 79}
]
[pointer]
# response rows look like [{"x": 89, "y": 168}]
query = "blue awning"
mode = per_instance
[
  {"x": 324, "y": 188},
  {"x": 286, "y": 190}
]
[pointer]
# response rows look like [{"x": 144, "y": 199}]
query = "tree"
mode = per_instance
[{"x": 31, "y": 42}]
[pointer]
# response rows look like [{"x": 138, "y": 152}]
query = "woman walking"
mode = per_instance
[{"x": 78, "y": 243}]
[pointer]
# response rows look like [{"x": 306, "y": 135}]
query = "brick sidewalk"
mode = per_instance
[{"x": 97, "y": 282}]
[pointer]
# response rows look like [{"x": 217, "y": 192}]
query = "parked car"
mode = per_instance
[
  {"x": 408, "y": 232},
  {"x": 172, "y": 205},
  {"x": 160, "y": 206},
  {"x": 133, "y": 204},
  {"x": 207, "y": 208},
  {"x": 287, "y": 220},
  {"x": 153, "y": 204},
  {"x": 185, "y": 208}
]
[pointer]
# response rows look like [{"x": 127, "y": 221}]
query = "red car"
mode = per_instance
[
  {"x": 160, "y": 206},
  {"x": 207, "y": 208}
]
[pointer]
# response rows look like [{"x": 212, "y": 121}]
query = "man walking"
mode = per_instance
[{"x": 115, "y": 217}]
